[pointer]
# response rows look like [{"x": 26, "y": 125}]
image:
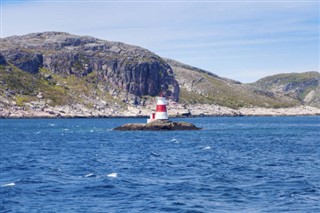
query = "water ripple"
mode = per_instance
[{"x": 252, "y": 164}]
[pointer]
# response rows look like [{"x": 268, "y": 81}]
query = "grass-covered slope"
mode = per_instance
[
  {"x": 199, "y": 86},
  {"x": 303, "y": 87},
  {"x": 23, "y": 88}
]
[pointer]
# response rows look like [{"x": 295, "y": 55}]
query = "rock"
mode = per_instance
[
  {"x": 47, "y": 77},
  {"x": 27, "y": 61},
  {"x": 2, "y": 60},
  {"x": 186, "y": 114},
  {"x": 120, "y": 67},
  {"x": 303, "y": 87},
  {"x": 158, "y": 125},
  {"x": 40, "y": 95}
]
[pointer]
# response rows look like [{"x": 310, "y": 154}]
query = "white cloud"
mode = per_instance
[{"x": 205, "y": 34}]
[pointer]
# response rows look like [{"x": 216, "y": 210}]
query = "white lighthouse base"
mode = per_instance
[{"x": 161, "y": 116}]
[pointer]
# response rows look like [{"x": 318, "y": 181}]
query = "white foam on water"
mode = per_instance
[
  {"x": 207, "y": 148},
  {"x": 90, "y": 175},
  {"x": 112, "y": 175},
  {"x": 175, "y": 140},
  {"x": 65, "y": 129},
  {"x": 92, "y": 130},
  {"x": 9, "y": 184},
  {"x": 37, "y": 133},
  {"x": 155, "y": 154},
  {"x": 51, "y": 124}
]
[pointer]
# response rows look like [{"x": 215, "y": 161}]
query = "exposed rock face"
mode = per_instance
[
  {"x": 158, "y": 125},
  {"x": 304, "y": 87},
  {"x": 2, "y": 60},
  {"x": 123, "y": 68},
  {"x": 200, "y": 86},
  {"x": 30, "y": 62}
]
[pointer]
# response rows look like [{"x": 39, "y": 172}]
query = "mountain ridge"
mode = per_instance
[{"x": 61, "y": 73}]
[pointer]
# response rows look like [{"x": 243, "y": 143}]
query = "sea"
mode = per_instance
[{"x": 234, "y": 164}]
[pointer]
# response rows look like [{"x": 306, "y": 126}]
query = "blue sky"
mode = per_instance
[{"x": 242, "y": 40}]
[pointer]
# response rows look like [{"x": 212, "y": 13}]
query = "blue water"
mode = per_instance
[{"x": 235, "y": 164}]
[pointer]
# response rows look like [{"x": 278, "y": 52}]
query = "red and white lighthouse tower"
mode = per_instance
[{"x": 161, "y": 110}]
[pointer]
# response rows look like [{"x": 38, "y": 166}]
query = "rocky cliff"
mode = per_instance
[
  {"x": 2, "y": 60},
  {"x": 126, "y": 72}
]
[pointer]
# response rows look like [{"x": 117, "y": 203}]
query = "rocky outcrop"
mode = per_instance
[
  {"x": 41, "y": 110},
  {"x": 303, "y": 87},
  {"x": 124, "y": 69},
  {"x": 158, "y": 125},
  {"x": 2, "y": 60},
  {"x": 202, "y": 87},
  {"x": 27, "y": 61}
]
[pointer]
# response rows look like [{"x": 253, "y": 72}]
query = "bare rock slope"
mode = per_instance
[
  {"x": 123, "y": 70},
  {"x": 304, "y": 87},
  {"x": 200, "y": 86}
]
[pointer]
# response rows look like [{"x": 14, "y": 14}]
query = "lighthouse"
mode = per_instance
[
  {"x": 158, "y": 121},
  {"x": 161, "y": 110}
]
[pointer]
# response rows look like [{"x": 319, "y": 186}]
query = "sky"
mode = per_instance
[{"x": 241, "y": 40}]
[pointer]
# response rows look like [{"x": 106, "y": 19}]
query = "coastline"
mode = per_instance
[{"x": 176, "y": 111}]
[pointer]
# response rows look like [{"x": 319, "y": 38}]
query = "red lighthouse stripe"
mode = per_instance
[{"x": 161, "y": 108}]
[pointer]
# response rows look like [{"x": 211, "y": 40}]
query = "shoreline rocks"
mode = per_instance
[
  {"x": 158, "y": 125},
  {"x": 39, "y": 109}
]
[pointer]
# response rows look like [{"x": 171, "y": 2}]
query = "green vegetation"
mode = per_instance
[
  {"x": 287, "y": 78},
  {"x": 17, "y": 80},
  {"x": 21, "y": 100},
  {"x": 195, "y": 87},
  {"x": 208, "y": 89},
  {"x": 25, "y": 86},
  {"x": 294, "y": 85}
]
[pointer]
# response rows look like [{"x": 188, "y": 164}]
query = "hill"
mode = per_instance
[
  {"x": 128, "y": 70},
  {"x": 59, "y": 74},
  {"x": 200, "y": 86},
  {"x": 303, "y": 87}
]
